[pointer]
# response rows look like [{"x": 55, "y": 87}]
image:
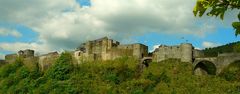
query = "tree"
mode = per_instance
[{"x": 218, "y": 8}]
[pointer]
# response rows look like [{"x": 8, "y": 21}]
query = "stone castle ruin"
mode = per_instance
[
  {"x": 185, "y": 52},
  {"x": 27, "y": 55},
  {"x": 46, "y": 60},
  {"x": 108, "y": 49}
]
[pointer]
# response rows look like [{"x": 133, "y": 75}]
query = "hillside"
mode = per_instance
[
  {"x": 121, "y": 76},
  {"x": 228, "y": 48}
]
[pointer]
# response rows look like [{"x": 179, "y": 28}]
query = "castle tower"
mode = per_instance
[
  {"x": 26, "y": 53},
  {"x": 136, "y": 51},
  {"x": 187, "y": 52},
  {"x": 88, "y": 47},
  {"x": 104, "y": 45},
  {"x": 110, "y": 44},
  {"x": 29, "y": 53}
]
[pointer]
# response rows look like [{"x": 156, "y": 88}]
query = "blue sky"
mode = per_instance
[{"x": 65, "y": 24}]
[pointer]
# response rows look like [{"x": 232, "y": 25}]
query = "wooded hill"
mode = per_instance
[{"x": 228, "y": 48}]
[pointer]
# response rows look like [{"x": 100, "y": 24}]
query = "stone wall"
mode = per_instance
[
  {"x": 138, "y": 50},
  {"x": 26, "y": 53},
  {"x": 45, "y": 61},
  {"x": 184, "y": 52},
  {"x": 197, "y": 53},
  {"x": 11, "y": 58},
  {"x": 107, "y": 49}
]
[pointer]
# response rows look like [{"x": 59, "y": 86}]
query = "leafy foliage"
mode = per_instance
[
  {"x": 62, "y": 67},
  {"x": 218, "y": 8},
  {"x": 111, "y": 77},
  {"x": 232, "y": 72}
]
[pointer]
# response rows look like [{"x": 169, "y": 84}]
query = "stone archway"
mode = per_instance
[
  {"x": 146, "y": 60},
  {"x": 205, "y": 68},
  {"x": 232, "y": 71}
]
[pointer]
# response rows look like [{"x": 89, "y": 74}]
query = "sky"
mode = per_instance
[{"x": 57, "y": 25}]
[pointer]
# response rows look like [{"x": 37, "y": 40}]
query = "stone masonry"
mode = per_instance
[
  {"x": 107, "y": 49},
  {"x": 185, "y": 52}
]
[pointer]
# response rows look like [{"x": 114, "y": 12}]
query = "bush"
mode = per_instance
[
  {"x": 8, "y": 69},
  {"x": 62, "y": 67},
  {"x": 232, "y": 72},
  {"x": 111, "y": 77}
]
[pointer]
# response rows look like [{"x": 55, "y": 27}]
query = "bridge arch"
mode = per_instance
[
  {"x": 204, "y": 67},
  {"x": 231, "y": 71},
  {"x": 146, "y": 60}
]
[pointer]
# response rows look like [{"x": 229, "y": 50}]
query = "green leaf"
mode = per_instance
[
  {"x": 239, "y": 16},
  {"x": 236, "y": 25},
  {"x": 222, "y": 16},
  {"x": 237, "y": 32},
  {"x": 195, "y": 11}
]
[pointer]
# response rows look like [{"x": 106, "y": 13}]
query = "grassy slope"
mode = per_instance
[{"x": 120, "y": 76}]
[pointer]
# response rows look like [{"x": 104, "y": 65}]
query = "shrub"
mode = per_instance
[
  {"x": 8, "y": 69},
  {"x": 232, "y": 72},
  {"x": 62, "y": 68}
]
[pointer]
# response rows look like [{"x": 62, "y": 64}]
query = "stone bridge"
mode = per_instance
[
  {"x": 207, "y": 65},
  {"x": 214, "y": 65}
]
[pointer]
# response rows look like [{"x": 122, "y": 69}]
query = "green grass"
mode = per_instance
[{"x": 120, "y": 76}]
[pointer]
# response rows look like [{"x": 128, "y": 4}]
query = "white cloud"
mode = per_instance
[
  {"x": 22, "y": 46},
  {"x": 2, "y": 56},
  {"x": 154, "y": 48},
  {"x": 118, "y": 19},
  {"x": 207, "y": 44},
  {"x": 9, "y": 32}
]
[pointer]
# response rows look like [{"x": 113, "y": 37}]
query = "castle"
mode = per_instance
[
  {"x": 108, "y": 49},
  {"x": 185, "y": 52}
]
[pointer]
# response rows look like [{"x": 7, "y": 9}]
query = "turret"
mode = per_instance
[{"x": 187, "y": 52}]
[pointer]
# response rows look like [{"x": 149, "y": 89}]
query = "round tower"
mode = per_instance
[
  {"x": 104, "y": 45},
  {"x": 88, "y": 47},
  {"x": 187, "y": 52}
]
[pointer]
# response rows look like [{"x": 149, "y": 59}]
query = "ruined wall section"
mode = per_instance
[
  {"x": 115, "y": 53},
  {"x": 10, "y": 58},
  {"x": 107, "y": 49},
  {"x": 184, "y": 52},
  {"x": 197, "y": 53},
  {"x": 99, "y": 49},
  {"x": 165, "y": 52},
  {"x": 136, "y": 50},
  {"x": 140, "y": 50},
  {"x": 26, "y": 53},
  {"x": 45, "y": 61}
]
